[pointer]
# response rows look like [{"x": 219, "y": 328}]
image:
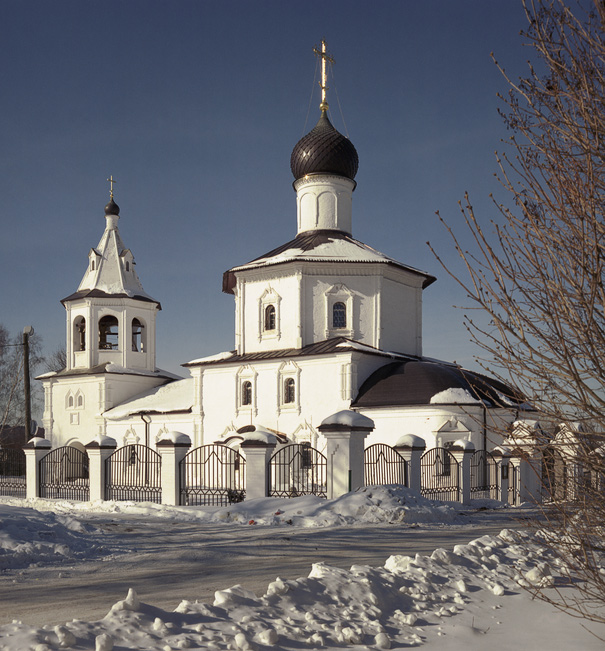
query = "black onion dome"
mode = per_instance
[
  {"x": 324, "y": 151},
  {"x": 112, "y": 208}
]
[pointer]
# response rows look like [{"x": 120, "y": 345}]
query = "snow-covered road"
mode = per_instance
[{"x": 167, "y": 561}]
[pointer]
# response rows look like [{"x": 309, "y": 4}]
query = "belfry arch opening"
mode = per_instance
[
  {"x": 139, "y": 344},
  {"x": 108, "y": 333},
  {"x": 79, "y": 335}
]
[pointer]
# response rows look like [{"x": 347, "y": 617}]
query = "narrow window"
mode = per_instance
[
  {"x": 80, "y": 401},
  {"x": 80, "y": 333},
  {"x": 247, "y": 393},
  {"x": 289, "y": 390},
  {"x": 339, "y": 315},
  {"x": 306, "y": 455},
  {"x": 92, "y": 265},
  {"x": 70, "y": 402},
  {"x": 138, "y": 342},
  {"x": 270, "y": 317},
  {"x": 127, "y": 265},
  {"x": 108, "y": 333}
]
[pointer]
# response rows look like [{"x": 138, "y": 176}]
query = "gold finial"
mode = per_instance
[
  {"x": 323, "y": 84},
  {"x": 111, "y": 182}
]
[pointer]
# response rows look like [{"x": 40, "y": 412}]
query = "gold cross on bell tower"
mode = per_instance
[
  {"x": 111, "y": 182},
  {"x": 323, "y": 84}
]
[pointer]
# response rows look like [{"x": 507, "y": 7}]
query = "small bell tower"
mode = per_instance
[{"x": 110, "y": 318}]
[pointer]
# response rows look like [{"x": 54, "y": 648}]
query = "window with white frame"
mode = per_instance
[
  {"x": 288, "y": 388},
  {"x": 339, "y": 304},
  {"x": 246, "y": 390},
  {"x": 269, "y": 315}
]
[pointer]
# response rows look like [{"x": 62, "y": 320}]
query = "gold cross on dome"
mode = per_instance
[
  {"x": 111, "y": 182},
  {"x": 323, "y": 84}
]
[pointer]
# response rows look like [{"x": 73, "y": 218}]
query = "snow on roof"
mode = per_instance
[
  {"x": 348, "y": 418},
  {"x": 175, "y": 396},
  {"x": 213, "y": 358},
  {"x": 454, "y": 396},
  {"x": 116, "y": 368}
]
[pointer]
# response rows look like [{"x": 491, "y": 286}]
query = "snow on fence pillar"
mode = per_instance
[
  {"x": 345, "y": 433},
  {"x": 501, "y": 455},
  {"x": 35, "y": 450},
  {"x": 257, "y": 446},
  {"x": 463, "y": 451},
  {"x": 98, "y": 450},
  {"x": 411, "y": 448},
  {"x": 173, "y": 446},
  {"x": 528, "y": 465}
]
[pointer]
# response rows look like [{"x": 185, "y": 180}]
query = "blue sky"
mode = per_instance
[{"x": 194, "y": 107}]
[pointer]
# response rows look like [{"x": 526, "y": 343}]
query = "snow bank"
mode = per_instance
[{"x": 398, "y": 605}]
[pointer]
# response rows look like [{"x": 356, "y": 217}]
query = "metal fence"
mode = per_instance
[
  {"x": 440, "y": 475},
  {"x": 382, "y": 464},
  {"x": 484, "y": 476},
  {"x": 297, "y": 469},
  {"x": 213, "y": 475},
  {"x": 134, "y": 473},
  {"x": 64, "y": 474},
  {"x": 12, "y": 473}
]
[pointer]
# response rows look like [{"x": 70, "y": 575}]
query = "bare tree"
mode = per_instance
[{"x": 536, "y": 273}]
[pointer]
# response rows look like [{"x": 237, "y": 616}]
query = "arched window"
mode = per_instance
[
  {"x": 80, "y": 400},
  {"x": 80, "y": 333},
  {"x": 289, "y": 390},
  {"x": 270, "y": 317},
  {"x": 108, "y": 333},
  {"x": 138, "y": 341},
  {"x": 247, "y": 393},
  {"x": 339, "y": 315},
  {"x": 127, "y": 265},
  {"x": 92, "y": 265},
  {"x": 70, "y": 402}
]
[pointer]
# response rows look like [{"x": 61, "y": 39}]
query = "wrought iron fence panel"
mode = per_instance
[
  {"x": 297, "y": 469},
  {"x": 212, "y": 475},
  {"x": 554, "y": 475},
  {"x": 440, "y": 475},
  {"x": 133, "y": 472},
  {"x": 513, "y": 484},
  {"x": 484, "y": 476},
  {"x": 64, "y": 474},
  {"x": 12, "y": 473},
  {"x": 382, "y": 464}
]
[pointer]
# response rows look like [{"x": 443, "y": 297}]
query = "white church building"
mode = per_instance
[{"x": 323, "y": 323}]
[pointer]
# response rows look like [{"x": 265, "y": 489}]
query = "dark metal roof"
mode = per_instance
[
  {"x": 310, "y": 240},
  {"x": 325, "y": 347},
  {"x": 98, "y": 293},
  {"x": 324, "y": 151},
  {"x": 415, "y": 382}
]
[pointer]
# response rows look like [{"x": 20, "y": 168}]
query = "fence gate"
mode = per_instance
[
  {"x": 64, "y": 474},
  {"x": 554, "y": 475},
  {"x": 212, "y": 475},
  {"x": 133, "y": 473},
  {"x": 513, "y": 484},
  {"x": 382, "y": 464},
  {"x": 12, "y": 473},
  {"x": 484, "y": 476},
  {"x": 440, "y": 475},
  {"x": 297, "y": 469}
]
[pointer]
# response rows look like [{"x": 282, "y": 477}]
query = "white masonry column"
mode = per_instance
[
  {"x": 98, "y": 450},
  {"x": 345, "y": 432},
  {"x": 463, "y": 451},
  {"x": 257, "y": 446},
  {"x": 173, "y": 446},
  {"x": 35, "y": 449},
  {"x": 411, "y": 448},
  {"x": 501, "y": 455}
]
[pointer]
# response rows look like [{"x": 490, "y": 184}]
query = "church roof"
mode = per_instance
[
  {"x": 321, "y": 246},
  {"x": 110, "y": 272},
  {"x": 173, "y": 397},
  {"x": 324, "y": 151},
  {"x": 326, "y": 347},
  {"x": 109, "y": 367},
  {"x": 423, "y": 382}
]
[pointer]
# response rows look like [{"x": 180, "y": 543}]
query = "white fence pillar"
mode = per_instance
[
  {"x": 258, "y": 454},
  {"x": 411, "y": 448},
  {"x": 98, "y": 450},
  {"x": 463, "y": 451},
  {"x": 35, "y": 449},
  {"x": 529, "y": 480},
  {"x": 502, "y": 458},
  {"x": 173, "y": 446},
  {"x": 345, "y": 433}
]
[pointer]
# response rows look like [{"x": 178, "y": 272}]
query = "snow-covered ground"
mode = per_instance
[{"x": 468, "y": 596}]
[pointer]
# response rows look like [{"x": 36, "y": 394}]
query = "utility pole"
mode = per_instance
[{"x": 28, "y": 331}]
